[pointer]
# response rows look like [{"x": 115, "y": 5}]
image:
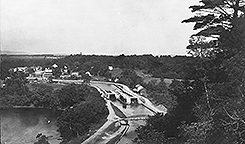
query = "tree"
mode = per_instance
[
  {"x": 219, "y": 107},
  {"x": 213, "y": 16},
  {"x": 56, "y": 72},
  {"x": 152, "y": 132},
  {"x": 42, "y": 95},
  {"x": 72, "y": 122},
  {"x": 223, "y": 19},
  {"x": 16, "y": 83},
  {"x": 166, "y": 128},
  {"x": 15, "y": 92},
  {"x": 231, "y": 108},
  {"x": 223, "y": 120},
  {"x": 217, "y": 19},
  {"x": 160, "y": 95},
  {"x": 86, "y": 78},
  {"x": 76, "y": 120},
  {"x": 72, "y": 94},
  {"x": 130, "y": 78},
  {"x": 201, "y": 47}
]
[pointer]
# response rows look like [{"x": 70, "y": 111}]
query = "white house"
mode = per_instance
[
  {"x": 38, "y": 73},
  {"x": 88, "y": 73},
  {"x": 110, "y": 68},
  {"x": 75, "y": 74},
  {"x": 47, "y": 70},
  {"x": 54, "y": 65},
  {"x": 138, "y": 88}
]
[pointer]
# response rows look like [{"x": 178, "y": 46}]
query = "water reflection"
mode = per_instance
[{"x": 22, "y": 125}]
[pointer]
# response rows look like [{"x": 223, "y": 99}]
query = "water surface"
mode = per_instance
[{"x": 22, "y": 125}]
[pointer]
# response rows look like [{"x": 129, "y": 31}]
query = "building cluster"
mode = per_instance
[{"x": 38, "y": 73}]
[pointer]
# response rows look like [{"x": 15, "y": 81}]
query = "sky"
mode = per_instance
[{"x": 108, "y": 27}]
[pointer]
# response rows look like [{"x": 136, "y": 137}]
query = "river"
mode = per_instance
[{"x": 22, "y": 125}]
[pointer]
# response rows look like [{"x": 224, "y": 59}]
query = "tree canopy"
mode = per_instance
[{"x": 221, "y": 21}]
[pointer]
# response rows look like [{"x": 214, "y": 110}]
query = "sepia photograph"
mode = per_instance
[{"x": 122, "y": 72}]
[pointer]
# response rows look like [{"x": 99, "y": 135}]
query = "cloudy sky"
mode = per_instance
[{"x": 95, "y": 26}]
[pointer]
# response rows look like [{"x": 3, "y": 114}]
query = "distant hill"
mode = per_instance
[
  {"x": 31, "y": 56},
  {"x": 12, "y": 52}
]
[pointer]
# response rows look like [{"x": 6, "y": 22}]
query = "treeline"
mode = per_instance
[{"x": 159, "y": 66}]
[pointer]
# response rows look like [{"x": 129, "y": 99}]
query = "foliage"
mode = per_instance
[
  {"x": 220, "y": 110},
  {"x": 215, "y": 15},
  {"x": 15, "y": 92},
  {"x": 160, "y": 95},
  {"x": 166, "y": 129},
  {"x": 42, "y": 95},
  {"x": 16, "y": 83},
  {"x": 217, "y": 19},
  {"x": 149, "y": 133},
  {"x": 220, "y": 72},
  {"x": 130, "y": 78},
  {"x": 86, "y": 78},
  {"x": 230, "y": 98},
  {"x": 76, "y": 120},
  {"x": 56, "y": 72},
  {"x": 71, "y": 94},
  {"x": 98, "y": 65},
  {"x": 42, "y": 139},
  {"x": 197, "y": 132},
  {"x": 82, "y": 104}
]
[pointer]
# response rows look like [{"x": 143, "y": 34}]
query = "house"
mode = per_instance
[
  {"x": 22, "y": 69},
  {"x": 54, "y": 65},
  {"x": 88, "y": 73},
  {"x": 38, "y": 68},
  {"x": 47, "y": 70},
  {"x": 65, "y": 70},
  {"x": 1, "y": 84},
  {"x": 111, "y": 95},
  {"x": 46, "y": 75},
  {"x": 138, "y": 88},
  {"x": 110, "y": 68},
  {"x": 65, "y": 76},
  {"x": 75, "y": 74},
  {"x": 38, "y": 73}
]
